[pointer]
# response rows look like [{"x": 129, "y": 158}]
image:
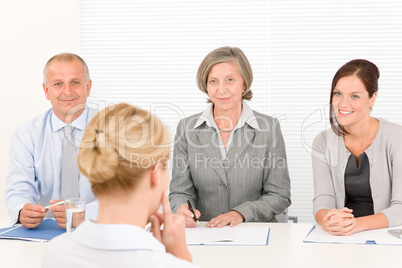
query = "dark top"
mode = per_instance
[{"x": 357, "y": 186}]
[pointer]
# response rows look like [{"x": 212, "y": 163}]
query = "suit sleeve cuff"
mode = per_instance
[{"x": 245, "y": 211}]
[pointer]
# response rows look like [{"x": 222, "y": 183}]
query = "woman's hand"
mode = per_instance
[
  {"x": 231, "y": 218},
  {"x": 339, "y": 222},
  {"x": 188, "y": 215},
  {"x": 173, "y": 235}
]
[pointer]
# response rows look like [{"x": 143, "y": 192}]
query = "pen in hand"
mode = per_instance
[
  {"x": 55, "y": 204},
  {"x": 192, "y": 210}
]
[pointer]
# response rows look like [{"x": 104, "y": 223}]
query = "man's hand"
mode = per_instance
[
  {"x": 59, "y": 213},
  {"x": 31, "y": 215}
]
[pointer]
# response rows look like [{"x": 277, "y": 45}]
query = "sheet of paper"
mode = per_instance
[
  {"x": 205, "y": 235},
  {"x": 379, "y": 236},
  {"x": 236, "y": 236}
]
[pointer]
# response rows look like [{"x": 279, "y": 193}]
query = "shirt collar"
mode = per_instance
[
  {"x": 80, "y": 122},
  {"x": 207, "y": 117},
  {"x": 246, "y": 116},
  {"x": 115, "y": 237}
]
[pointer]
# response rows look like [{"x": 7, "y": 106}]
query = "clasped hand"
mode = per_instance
[{"x": 340, "y": 222}]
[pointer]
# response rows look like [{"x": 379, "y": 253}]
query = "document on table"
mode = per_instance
[
  {"x": 47, "y": 230},
  {"x": 236, "y": 236},
  {"x": 379, "y": 237}
]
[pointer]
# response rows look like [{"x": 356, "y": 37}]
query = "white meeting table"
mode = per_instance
[{"x": 285, "y": 249}]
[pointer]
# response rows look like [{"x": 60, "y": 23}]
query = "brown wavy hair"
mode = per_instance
[{"x": 367, "y": 72}]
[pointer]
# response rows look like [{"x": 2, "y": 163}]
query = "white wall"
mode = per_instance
[{"x": 31, "y": 33}]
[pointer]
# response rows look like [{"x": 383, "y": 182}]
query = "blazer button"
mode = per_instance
[{"x": 223, "y": 185}]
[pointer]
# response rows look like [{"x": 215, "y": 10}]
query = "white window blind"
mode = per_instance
[{"x": 146, "y": 53}]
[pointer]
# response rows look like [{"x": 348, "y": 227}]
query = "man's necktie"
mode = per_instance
[{"x": 69, "y": 168}]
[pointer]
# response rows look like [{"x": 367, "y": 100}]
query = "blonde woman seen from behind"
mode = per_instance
[{"x": 124, "y": 153}]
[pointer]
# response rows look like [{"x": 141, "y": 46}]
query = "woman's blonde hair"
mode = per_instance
[
  {"x": 226, "y": 54},
  {"x": 120, "y": 144}
]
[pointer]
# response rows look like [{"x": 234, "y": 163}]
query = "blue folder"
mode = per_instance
[{"x": 47, "y": 230}]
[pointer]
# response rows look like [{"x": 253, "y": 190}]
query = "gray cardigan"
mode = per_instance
[{"x": 330, "y": 156}]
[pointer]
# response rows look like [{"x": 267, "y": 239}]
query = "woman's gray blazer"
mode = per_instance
[{"x": 253, "y": 179}]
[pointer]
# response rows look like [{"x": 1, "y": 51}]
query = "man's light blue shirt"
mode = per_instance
[{"x": 34, "y": 174}]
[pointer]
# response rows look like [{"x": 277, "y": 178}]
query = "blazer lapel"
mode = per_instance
[
  {"x": 211, "y": 151},
  {"x": 235, "y": 151}
]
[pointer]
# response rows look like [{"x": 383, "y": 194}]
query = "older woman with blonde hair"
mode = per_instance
[
  {"x": 124, "y": 154},
  {"x": 229, "y": 161}
]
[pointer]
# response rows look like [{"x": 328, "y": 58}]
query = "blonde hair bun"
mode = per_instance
[
  {"x": 119, "y": 145},
  {"x": 99, "y": 164}
]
